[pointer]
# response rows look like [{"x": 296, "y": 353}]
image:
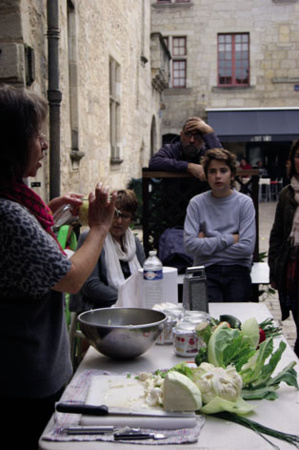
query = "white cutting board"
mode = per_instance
[{"x": 121, "y": 391}]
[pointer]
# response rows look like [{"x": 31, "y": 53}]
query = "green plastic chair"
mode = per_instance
[
  {"x": 68, "y": 240},
  {"x": 67, "y": 237}
]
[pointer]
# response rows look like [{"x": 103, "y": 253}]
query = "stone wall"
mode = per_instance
[
  {"x": 121, "y": 30},
  {"x": 90, "y": 33},
  {"x": 274, "y": 54}
]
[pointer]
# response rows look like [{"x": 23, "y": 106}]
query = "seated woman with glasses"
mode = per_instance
[{"x": 122, "y": 255}]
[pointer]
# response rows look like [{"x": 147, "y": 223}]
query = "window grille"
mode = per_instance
[{"x": 233, "y": 59}]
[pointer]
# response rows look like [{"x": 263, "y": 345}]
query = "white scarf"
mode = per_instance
[
  {"x": 114, "y": 253},
  {"x": 294, "y": 235}
]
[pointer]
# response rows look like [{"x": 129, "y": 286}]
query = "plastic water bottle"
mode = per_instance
[{"x": 152, "y": 280}]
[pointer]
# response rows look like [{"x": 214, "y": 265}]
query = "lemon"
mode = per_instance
[{"x": 83, "y": 213}]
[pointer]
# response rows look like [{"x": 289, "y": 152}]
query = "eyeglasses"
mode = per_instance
[
  {"x": 125, "y": 217},
  {"x": 195, "y": 135}
]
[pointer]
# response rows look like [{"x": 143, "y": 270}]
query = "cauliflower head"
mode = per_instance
[{"x": 220, "y": 382}]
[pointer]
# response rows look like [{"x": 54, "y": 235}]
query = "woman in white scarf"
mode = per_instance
[
  {"x": 120, "y": 243},
  {"x": 121, "y": 257},
  {"x": 283, "y": 255},
  {"x": 120, "y": 249}
]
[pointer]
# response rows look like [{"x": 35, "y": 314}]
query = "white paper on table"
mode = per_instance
[{"x": 129, "y": 293}]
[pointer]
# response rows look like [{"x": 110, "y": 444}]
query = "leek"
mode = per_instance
[{"x": 258, "y": 428}]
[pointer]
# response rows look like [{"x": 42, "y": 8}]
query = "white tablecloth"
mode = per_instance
[{"x": 281, "y": 414}]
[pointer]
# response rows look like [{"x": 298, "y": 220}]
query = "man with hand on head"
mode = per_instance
[{"x": 184, "y": 154}]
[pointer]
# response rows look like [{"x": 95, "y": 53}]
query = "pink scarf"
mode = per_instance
[{"x": 18, "y": 191}]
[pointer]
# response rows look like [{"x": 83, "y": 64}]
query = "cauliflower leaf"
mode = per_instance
[{"x": 218, "y": 404}]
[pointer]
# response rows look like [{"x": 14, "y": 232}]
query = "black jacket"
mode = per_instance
[{"x": 279, "y": 243}]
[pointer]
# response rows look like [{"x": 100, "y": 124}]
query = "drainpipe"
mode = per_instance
[{"x": 54, "y": 97}]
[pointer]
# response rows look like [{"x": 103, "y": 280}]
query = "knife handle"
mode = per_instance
[
  {"x": 132, "y": 436},
  {"x": 78, "y": 408}
]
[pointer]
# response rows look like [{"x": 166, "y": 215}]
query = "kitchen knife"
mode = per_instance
[
  {"x": 88, "y": 429},
  {"x": 103, "y": 410},
  {"x": 138, "y": 436}
]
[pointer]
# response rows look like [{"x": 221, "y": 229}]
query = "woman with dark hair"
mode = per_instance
[
  {"x": 284, "y": 244},
  {"x": 122, "y": 256},
  {"x": 220, "y": 231},
  {"x": 35, "y": 272}
]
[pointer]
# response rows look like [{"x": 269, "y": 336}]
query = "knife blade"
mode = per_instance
[
  {"x": 88, "y": 429},
  {"x": 103, "y": 410}
]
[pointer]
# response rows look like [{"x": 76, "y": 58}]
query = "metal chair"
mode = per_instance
[
  {"x": 265, "y": 189},
  {"x": 276, "y": 186}
]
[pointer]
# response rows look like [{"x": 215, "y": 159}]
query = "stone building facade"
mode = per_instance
[
  {"x": 256, "y": 114},
  {"x": 110, "y": 74}
]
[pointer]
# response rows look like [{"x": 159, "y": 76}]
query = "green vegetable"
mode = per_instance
[
  {"x": 231, "y": 346},
  {"x": 259, "y": 394},
  {"x": 237, "y": 350},
  {"x": 219, "y": 404},
  {"x": 182, "y": 368},
  {"x": 232, "y": 320},
  {"x": 202, "y": 356},
  {"x": 258, "y": 428},
  {"x": 204, "y": 331},
  {"x": 251, "y": 333},
  {"x": 288, "y": 375},
  {"x": 257, "y": 373},
  {"x": 180, "y": 393},
  {"x": 269, "y": 328},
  {"x": 227, "y": 346},
  {"x": 261, "y": 385}
]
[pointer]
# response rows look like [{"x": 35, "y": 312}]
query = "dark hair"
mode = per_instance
[
  {"x": 22, "y": 114},
  {"x": 190, "y": 119},
  {"x": 292, "y": 170},
  {"x": 127, "y": 200},
  {"x": 220, "y": 154}
]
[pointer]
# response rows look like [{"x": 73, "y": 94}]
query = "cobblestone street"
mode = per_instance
[{"x": 266, "y": 218}]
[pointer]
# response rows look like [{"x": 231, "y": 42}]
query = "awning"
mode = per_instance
[{"x": 256, "y": 125}]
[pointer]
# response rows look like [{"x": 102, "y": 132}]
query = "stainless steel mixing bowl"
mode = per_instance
[{"x": 122, "y": 333}]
